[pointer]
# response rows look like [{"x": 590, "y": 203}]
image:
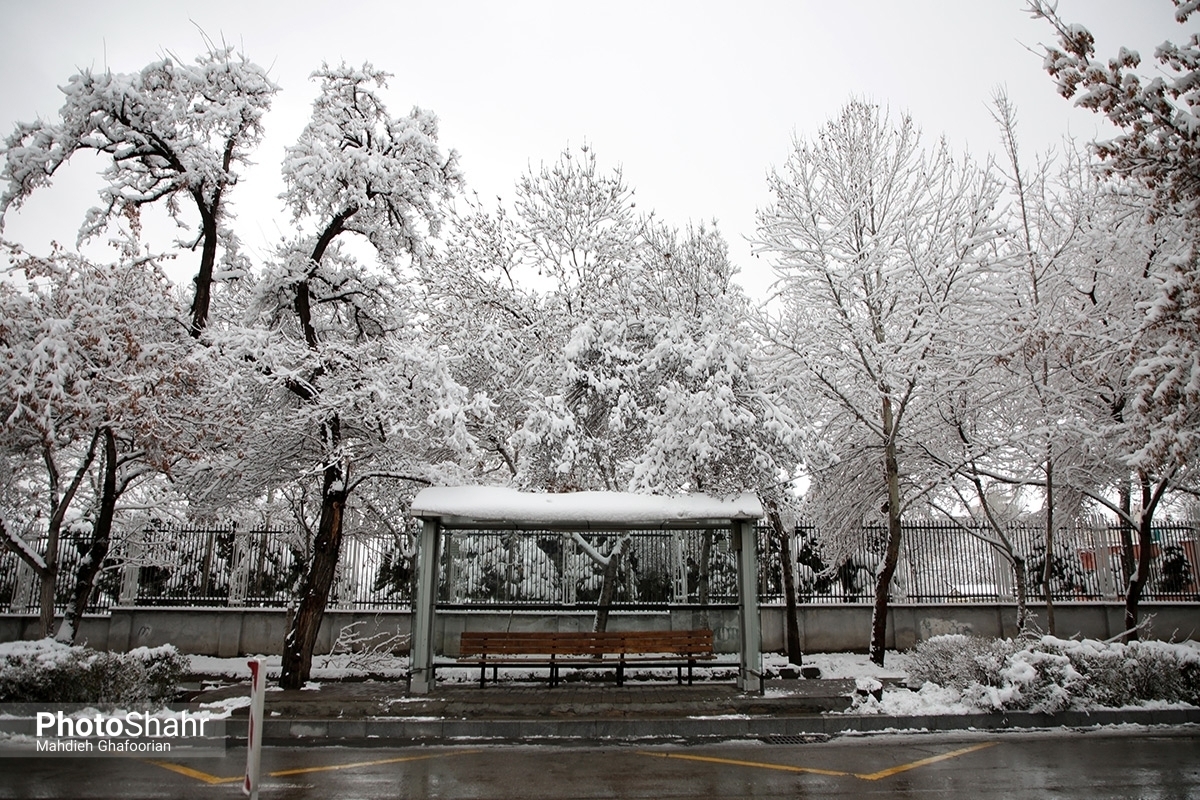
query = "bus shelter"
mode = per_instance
[{"x": 445, "y": 510}]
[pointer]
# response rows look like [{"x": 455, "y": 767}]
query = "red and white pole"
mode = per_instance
[{"x": 258, "y": 692}]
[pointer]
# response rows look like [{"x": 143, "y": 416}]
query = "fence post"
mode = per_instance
[
  {"x": 205, "y": 577},
  {"x": 131, "y": 573},
  {"x": 24, "y": 588},
  {"x": 1003, "y": 577},
  {"x": 678, "y": 568},
  {"x": 346, "y": 571},
  {"x": 568, "y": 572},
  {"x": 240, "y": 566},
  {"x": 1102, "y": 561}
]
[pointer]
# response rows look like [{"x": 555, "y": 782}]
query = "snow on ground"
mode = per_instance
[
  {"x": 349, "y": 667},
  {"x": 847, "y": 665},
  {"x": 879, "y": 690},
  {"x": 324, "y": 668}
]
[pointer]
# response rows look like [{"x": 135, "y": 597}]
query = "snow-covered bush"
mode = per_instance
[
  {"x": 958, "y": 661},
  {"x": 1050, "y": 674},
  {"x": 1125, "y": 674},
  {"x": 51, "y": 672},
  {"x": 1032, "y": 680}
]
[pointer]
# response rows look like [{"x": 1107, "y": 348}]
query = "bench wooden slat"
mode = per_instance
[
  {"x": 541, "y": 642},
  {"x": 555, "y": 649}
]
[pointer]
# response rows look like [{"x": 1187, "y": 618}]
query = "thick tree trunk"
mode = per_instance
[
  {"x": 892, "y": 552},
  {"x": 1137, "y": 583},
  {"x": 202, "y": 299},
  {"x": 93, "y": 558},
  {"x": 608, "y": 587},
  {"x": 47, "y": 581},
  {"x": 314, "y": 591},
  {"x": 702, "y": 581},
  {"x": 795, "y": 649},
  {"x": 1021, "y": 591}
]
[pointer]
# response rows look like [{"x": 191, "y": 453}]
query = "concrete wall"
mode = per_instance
[{"x": 824, "y": 628}]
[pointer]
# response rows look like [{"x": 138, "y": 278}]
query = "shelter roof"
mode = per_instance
[{"x": 499, "y": 507}]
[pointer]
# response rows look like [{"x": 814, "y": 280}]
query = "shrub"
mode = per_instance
[
  {"x": 1138, "y": 672},
  {"x": 1050, "y": 674},
  {"x": 958, "y": 661},
  {"x": 50, "y": 672}
]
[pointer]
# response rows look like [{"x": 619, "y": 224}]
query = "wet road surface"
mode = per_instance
[{"x": 1094, "y": 765}]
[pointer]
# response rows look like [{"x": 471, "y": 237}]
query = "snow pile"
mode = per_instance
[
  {"x": 47, "y": 671},
  {"x": 846, "y": 665},
  {"x": 929, "y": 700}
]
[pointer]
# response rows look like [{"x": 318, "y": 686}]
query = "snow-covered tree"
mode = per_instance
[
  {"x": 882, "y": 249},
  {"x": 101, "y": 390},
  {"x": 1160, "y": 143},
  {"x": 1157, "y": 149},
  {"x": 634, "y": 371},
  {"x": 480, "y": 307},
  {"x": 341, "y": 349},
  {"x": 580, "y": 228},
  {"x": 658, "y": 389},
  {"x": 175, "y": 132}
]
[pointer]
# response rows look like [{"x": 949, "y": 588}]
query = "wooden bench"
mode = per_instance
[{"x": 585, "y": 649}]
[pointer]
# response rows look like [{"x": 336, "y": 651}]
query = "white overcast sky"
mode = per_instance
[{"x": 696, "y": 100}]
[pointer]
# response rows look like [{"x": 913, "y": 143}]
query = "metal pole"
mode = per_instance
[
  {"x": 750, "y": 632},
  {"x": 421, "y": 678},
  {"x": 254, "y": 733}
]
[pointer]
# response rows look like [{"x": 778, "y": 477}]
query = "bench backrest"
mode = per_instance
[{"x": 585, "y": 643}]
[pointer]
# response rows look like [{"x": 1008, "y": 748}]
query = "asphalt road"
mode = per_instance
[{"x": 1093, "y": 765}]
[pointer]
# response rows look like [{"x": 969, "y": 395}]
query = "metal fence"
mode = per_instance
[
  {"x": 554, "y": 568},
  {"x": 943, "y": 561},
  {"x": 218, "y": 566},
  {"x": 939, "y": 562},
  {"x": 20, "y": 586}
]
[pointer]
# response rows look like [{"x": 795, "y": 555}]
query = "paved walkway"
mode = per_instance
[
  {"x": 382, "y": 712},
  {"x": 353, "y": 700}
]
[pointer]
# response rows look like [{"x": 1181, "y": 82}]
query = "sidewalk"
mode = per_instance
[{"x": 382, "y": 713}]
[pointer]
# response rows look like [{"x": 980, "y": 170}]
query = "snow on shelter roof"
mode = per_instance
[{"x": 494, "y": 506}]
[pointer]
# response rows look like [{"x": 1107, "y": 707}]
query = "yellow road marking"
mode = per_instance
[
  {"x": 886, "y": 773},
  {"x": 215, "y": 779},
  {"x": 871, "y": 776},
  {"x": 332, "y": 767},
  {"x": 194, "y": 773},
  {"x": 758, "y": 764}
]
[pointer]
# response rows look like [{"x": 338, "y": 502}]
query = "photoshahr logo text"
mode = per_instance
[{"x": 127, "y": 732}]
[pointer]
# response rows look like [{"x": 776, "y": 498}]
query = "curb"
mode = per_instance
[{"x": 387, "y": 731}]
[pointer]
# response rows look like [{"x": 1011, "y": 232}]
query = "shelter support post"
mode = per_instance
[
  {"x": 421, "y": 678},
  {"x": 750, "y": 630}
]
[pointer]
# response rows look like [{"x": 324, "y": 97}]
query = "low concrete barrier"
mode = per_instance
[{"x": 229, "y": 632}]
